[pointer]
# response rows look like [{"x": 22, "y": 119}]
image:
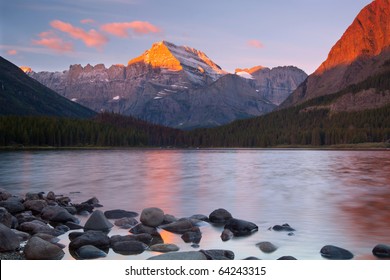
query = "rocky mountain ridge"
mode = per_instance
[{"x": 171, "y": 85}]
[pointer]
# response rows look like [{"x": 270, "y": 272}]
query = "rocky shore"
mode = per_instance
[{"x": 30, "y": 227}]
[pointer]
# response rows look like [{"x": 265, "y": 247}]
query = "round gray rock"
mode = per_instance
[
  {"x": 381, "y": 251},
  {"x": 220, "y": 216},
  {"x": 335, "y": 253},
  {"x": 152, "y": 217},
  {"x": 267, "y": 247},
  {"x": 39, "y": 249}
]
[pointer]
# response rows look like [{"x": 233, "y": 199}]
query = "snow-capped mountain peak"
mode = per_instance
[{"x": 169, "y": 56}]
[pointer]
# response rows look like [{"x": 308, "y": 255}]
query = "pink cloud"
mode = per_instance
[
  {"x": 255, "y": 44},
  {"x": 50, "y": 40},
  {"x": 121, "y": 29},
  {"x": 87, "y": 21},
  {"x": 12, "y": 52},
  {"x": 91, "y": 38}
]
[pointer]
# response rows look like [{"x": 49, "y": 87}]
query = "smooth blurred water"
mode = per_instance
[{"x": 330, "y": 197}]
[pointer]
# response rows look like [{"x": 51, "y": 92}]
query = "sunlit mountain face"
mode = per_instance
[{"x": 363, "y": 51}]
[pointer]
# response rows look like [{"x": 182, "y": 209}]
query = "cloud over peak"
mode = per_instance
[
  {"x": 50, "y": 40},
  {"x": 255, "y": 44},
  {"x": 122, "y": 29},
  {"x": 91, "y": 38}
]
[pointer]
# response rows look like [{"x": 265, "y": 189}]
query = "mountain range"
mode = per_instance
[{"x": 175, "y": 86}]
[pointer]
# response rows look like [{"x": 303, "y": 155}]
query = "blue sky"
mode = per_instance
[{"x": 53, "y": 34}]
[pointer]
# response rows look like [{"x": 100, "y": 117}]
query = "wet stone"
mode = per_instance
[
  {"x": 164, "y": 248},
  {"x": 220, "y": 216},
  {"x": 335, "y": 253},
  {"x": 267, "y": 247},
  {"x": 118, "y": 214},
  {"x": 381, "y": 251},
  {"x": 126, "y": 223}
]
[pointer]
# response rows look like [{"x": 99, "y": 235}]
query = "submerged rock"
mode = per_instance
[
  {"x": 145, "y": 238},
  {"x": 241, "y": 227},
  {"x": 193, "y": 236},
  {"x": 180, "y": 227},
  {"x": 192, "y": 255},
  {"x": 118, "y": 214},
  {"x": 218, "y": 254},
  {"x": 335, "y": 253},
  {"x": 89, "y": 252},
  {"x": 164, "y": 248},
  {"x": 267, "y": 247},
  {"x": 129, "y": 247},
  {"x": 226, "y": 235},
  {"x": 95, "y": 238},
  {"x": 140, "y": 228},
  {"x": 126, "y": 222},
  {"x": 284, "y": 227},
  {"x": 381, "y": 251}
]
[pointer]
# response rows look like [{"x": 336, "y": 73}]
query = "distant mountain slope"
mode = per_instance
[
  {"x": 175, "y": 86},
  {"x": 362, "y": 51},
  {"x": 22, "y": 95},
  {"x": 274, "y": 84}
]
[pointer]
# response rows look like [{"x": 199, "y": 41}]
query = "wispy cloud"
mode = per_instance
[
  {"x": 91, "y": 38},
  {"x": 123, "y": 29},
  {"x": 50, "y": 40},
  {"x": 255, "y": 44},
  {"x": 12, "y": 52},
  {"x": 87, "y": 21}
]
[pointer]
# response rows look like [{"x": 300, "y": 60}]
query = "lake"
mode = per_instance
[{"x": 330, "y": 197}]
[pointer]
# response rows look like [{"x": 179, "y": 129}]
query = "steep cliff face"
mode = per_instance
[
  {"x": 171, "y": 85},
  {"x": 362, "y": 51}
]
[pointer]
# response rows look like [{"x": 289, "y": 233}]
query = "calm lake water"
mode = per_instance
[{"x": 330, "y": 197}]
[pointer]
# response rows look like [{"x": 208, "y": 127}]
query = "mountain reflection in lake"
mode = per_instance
[{"x": 329, "y": 197}]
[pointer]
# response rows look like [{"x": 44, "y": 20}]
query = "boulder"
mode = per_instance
[
  {"x": 287, "y": 258},
  {"x": 152, "y": 217},
  {"x": 9, "y": 241},
  {"x": 95, "y": 238},
  {"x": 169, "y": 219},
  {"x": 140, "y": 228},
  {"x": 126, "y": 222},
  {"x": 39, "y": 249},
  {"x": 284, "y": 227},
  {"x": 193, "y": 236},
  {"x": 180, "y": 227},
  {"x": 118, "y": 214},
  {"x": 35, "y": 205},
  {"x": 57, "y": 214},
  {"x": 25, "y": 216},
  {"x": 93, "y": 202},
  {"x": 145, "y": 238},
  {"x": 5, "y": 217},
  {"x": 34, "y": 196},
  {"x": 192, "y": 255},
  {"x": 335, "y": 253},
  {"x": 381, "y": 251},
  {"x": 220, "y": 216},
  {"x": 97, "y": 221},
  {"x": 164, "y": 248},
  {"x": 37, "y": 226},
  {"x": 241, "y": 227},
  {"x": 23, "y": 236},
  {"x": 12, "y": 205},
  {"x": 267, "y": 247},
  {"x": 218, "y": 254},
  {"x": 226, "y": 235},
  {"x": 129, "y": 247},
  {"x": 89, "y": 252},
  {"x": 51, "y": 196},
  {"x": 4, "y": 194}
]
